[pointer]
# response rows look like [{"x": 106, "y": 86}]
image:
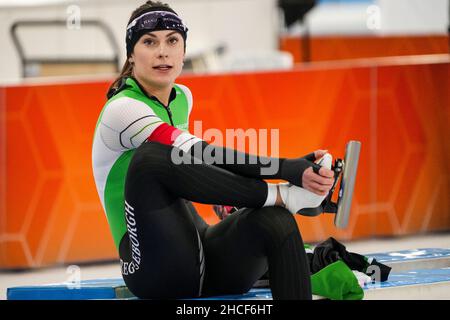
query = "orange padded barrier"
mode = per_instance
[
  {"x": 50, "y": 212},
  {"x": 321, "y": 48}
]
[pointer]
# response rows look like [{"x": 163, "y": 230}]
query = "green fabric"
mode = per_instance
[
  {"x": 115, "y": 183},
  {"x": 179, "y": 106},
  {"x": 114, "y": 196},
  {"x": 336, "y": 282}
]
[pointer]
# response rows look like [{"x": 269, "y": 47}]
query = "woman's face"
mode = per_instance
[{"x": 158, "y": 57}]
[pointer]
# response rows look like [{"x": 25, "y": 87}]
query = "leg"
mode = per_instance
[
  {"x": 162, "y": 254},
  {"x": 202, "y": 183},
  {"x": 200, "y": 224},
  {"x": 240, "y": 249}
]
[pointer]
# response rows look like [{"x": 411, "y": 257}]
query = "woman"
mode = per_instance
[{"x": 166, "y": 249}]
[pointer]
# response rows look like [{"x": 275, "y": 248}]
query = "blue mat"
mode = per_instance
[
  {"x": 106, "y": 289},
  {"x": 409, "y": 255},
  {"x": 253, "y": 294},
  {"x": 414, "y": 277},
  {"x": 88, "y": 289},
  {"x": 116, "y": 289}
]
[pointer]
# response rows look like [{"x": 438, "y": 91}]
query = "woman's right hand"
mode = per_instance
[
  {"x": 320, "y": 183},
  {"x": 223, "y": 211}
]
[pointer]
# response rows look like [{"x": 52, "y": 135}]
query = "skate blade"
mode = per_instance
[{"x": 347, "y": 186}]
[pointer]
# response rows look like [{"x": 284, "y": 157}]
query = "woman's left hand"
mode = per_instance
[{"x": 320, "y": 183}]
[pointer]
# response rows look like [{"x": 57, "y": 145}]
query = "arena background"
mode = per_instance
[{"x": 373, "y": 71}]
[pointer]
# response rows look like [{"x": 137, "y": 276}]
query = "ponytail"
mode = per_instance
[{"x": 127, "y": 70}]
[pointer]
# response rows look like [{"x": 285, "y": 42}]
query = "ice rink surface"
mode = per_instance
[{"x": 112, "y": 269}]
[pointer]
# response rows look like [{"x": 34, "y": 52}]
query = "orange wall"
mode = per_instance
[
  {"x": 50, "y": 212},
  {"x": 321, "y": 48}
]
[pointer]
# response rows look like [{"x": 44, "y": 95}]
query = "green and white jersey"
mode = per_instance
[{"x": 127, "y": 120}]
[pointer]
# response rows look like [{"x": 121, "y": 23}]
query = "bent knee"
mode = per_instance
[
  {"x": 151, "y": 147},
  {"x": 276, "y": 223},
  {"x": 149, "y": 156}
]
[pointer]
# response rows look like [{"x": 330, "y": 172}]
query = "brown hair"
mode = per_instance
[{"x": 128, "y": 67}]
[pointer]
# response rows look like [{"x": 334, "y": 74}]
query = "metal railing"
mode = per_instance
[{"x": 26, "y": 61}]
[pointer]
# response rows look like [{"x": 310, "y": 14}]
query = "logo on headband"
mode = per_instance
[{"x": 154, "y": 19}]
